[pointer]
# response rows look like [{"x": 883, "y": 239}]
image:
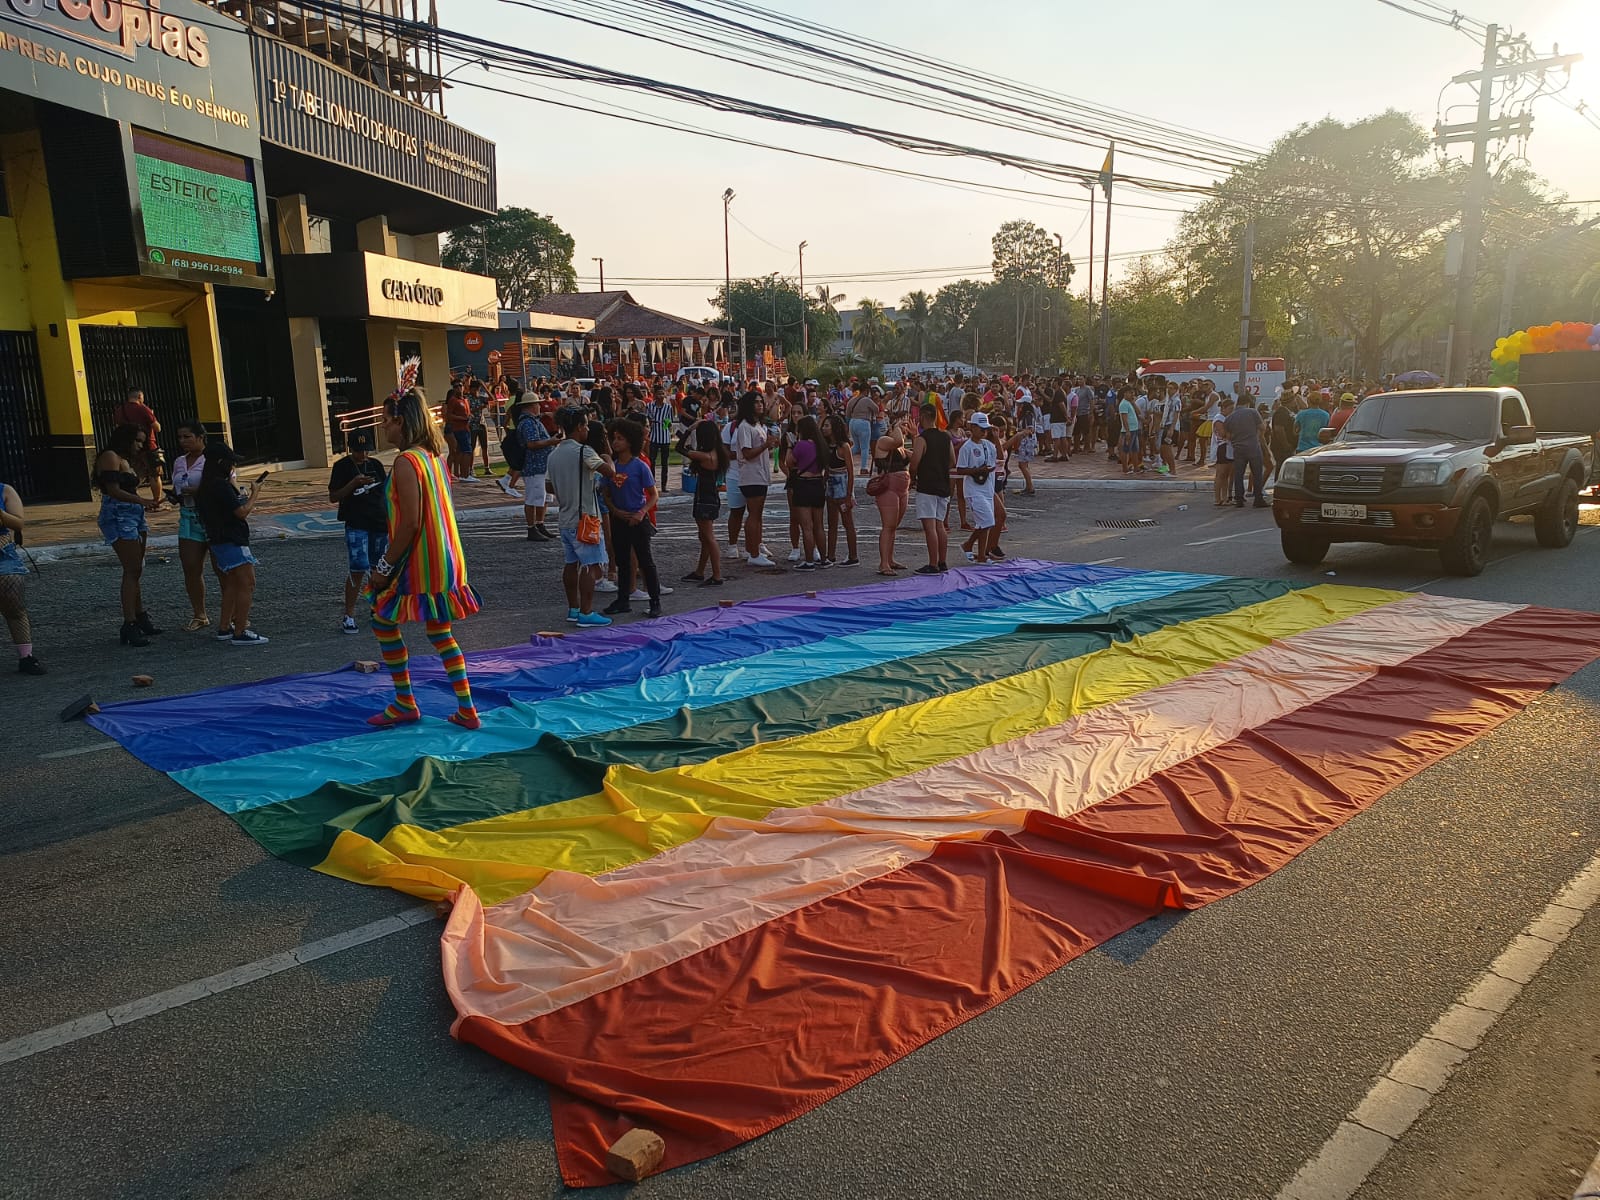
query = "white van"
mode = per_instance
[{"x": 699, "y": 376}]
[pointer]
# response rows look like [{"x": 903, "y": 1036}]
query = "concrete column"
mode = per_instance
[
  {"x": 293, "y": 220},
  {"x": 426, "y": 246},
  {"x": 383, "y": 358},
  {"x": 310, "y": 390},
  {"x": 199, "y": 318},
  {"x": 436, "y": 363},
  {"x": 373, "y": 236}
]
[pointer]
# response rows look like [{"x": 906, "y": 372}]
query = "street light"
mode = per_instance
[
  {"x": 602, "y": 263},
  {"x": 727, "y": 271},
  {"x": 805, "y": 326}
]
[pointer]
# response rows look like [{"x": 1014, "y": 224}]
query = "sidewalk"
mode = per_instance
[
  {"x": 291, "y": 503},
  {"x": 295, "y": 503}
]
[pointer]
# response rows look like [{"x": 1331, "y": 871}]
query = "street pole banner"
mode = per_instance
[
  {"x": 708, "y": 871},
  {"x": 1263, "y": 376}
]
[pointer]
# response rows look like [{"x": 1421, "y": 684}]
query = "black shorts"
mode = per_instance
[
  {"x": 810, "y": 491},
  {"x": 752, "y": 491}
]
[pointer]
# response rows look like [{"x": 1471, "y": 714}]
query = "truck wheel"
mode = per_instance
[
  {"x": 1304, "y": 548},
  {"x": 1466, "y": 551},
  {"x": 1556, "y": 522}
]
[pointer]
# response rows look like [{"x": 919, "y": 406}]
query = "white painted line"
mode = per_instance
[
  {"x": 1100, "y": 562},
  {"x": 1228, "y": 537},
  {"x": 1402, "y": 1093},
  {"x": 212, "y": 985},
  {"x": 95, "y": 749}
]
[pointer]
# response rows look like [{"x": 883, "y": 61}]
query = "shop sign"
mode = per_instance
[
  {"x": 1263, "y": 376},
  {"x": 174, "y": 66},
  {"x": 411, "y": 291},
  {"x": 473, "y": 341},
  {"x": 199, "y": 213},
  {"x": 312, "y": 107}
]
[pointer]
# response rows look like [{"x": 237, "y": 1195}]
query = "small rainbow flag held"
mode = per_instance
[{"x": 710, "y": 870}]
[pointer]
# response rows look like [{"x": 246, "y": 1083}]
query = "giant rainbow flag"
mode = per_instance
[{"x": 710, "y": 870}]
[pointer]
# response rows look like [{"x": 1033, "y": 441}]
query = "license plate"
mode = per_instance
[{"x": 1344, "y": 512}]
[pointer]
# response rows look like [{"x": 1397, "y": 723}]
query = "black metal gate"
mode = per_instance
[
  {"x": 154, "y": 360},
  {"x": 24, "y": 423}
]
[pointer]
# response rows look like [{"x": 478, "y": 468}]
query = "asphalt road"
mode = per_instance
[{"x": 1202, "y": 1056}]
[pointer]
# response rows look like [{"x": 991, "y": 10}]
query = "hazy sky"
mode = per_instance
[{"x": 649, "y": 200}]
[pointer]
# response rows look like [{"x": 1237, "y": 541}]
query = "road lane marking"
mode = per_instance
[
  {"x": 95, "y": 749},
  {"x": 1100, "y": 562},
  {"x": 68, "y": 1032},
  {"x": 1403, "y": 1092},
  {"x": 1228, "y": 537}
]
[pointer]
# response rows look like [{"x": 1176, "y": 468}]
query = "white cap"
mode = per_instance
[{"x": 980, "y": 419}]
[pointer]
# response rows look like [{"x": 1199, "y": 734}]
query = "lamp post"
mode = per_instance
[
  {"x": 727, "y": 272},
  {"x": 602, "y": 263},
  {"x": 805, "y": 326}
]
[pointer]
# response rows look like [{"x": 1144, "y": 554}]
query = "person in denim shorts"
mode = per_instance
[
  {"x": 357, "y": 486},
  {"x": 123, "y": 525}
]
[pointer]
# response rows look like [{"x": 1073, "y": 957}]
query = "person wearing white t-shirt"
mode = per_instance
[
  {"x": 753, "y": 443},
  {"x": 976, "y": 465}
]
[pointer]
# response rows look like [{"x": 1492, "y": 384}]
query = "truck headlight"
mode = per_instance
[
  {"x": 1292, "y": 472},
  {"x": 1425, "y": 472}
]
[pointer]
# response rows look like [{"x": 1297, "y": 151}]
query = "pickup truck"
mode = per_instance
[{"x": 1432, "y": 469}]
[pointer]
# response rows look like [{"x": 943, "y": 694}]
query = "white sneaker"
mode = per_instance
[
  {"x": 765, "y": 553},
  {"x": 665, "y": 590},
  {"x": 605, "y": 585},
  {"x": 971, "y": 557},
  {"x": 639, "y": 594},
  {"x": 732, "y": 551},
  {"x": 761, "y": 560},
  {"x": 794, "y": 555},
  {"x": 505, "y": 485},
  {"x": 348, "y": 625},
  {"x": 248, "y": 638}
]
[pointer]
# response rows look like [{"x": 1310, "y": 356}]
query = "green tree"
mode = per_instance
[
  {"x": 950, "y": 317},
  {"x": 1352, "y": 219},
  {"x": 917, "y": 309},
  {"x": 873, "y": 331},
  {"x": 771, "y": 310},
  {"x": 1023, "y": 250},
  {"x": 529, "y": 255}
]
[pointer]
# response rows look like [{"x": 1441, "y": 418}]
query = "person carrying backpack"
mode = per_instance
[{"x": 527, "y": 451}]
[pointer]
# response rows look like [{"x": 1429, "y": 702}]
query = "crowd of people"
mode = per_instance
[{"x": 947, "y": 450}]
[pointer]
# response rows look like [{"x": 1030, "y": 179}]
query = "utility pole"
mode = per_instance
[
  {"x": 1091, "y": 251},
  {"x": 1060, "y": 288},
  {"x": 727, "y": 269},
  {"x": 1107, "y": 178},
  {"x": 1244, "y": 312},
  {"x": 602, "y": 263},
  {"x": 1480, "y": 133},
  {"x": 805, "y": 326}
]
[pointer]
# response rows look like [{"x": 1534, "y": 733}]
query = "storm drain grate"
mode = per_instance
[{"x": 1126, "y": 522}]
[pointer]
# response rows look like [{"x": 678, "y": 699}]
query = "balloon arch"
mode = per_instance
[{"x": 1540, "y": 339}]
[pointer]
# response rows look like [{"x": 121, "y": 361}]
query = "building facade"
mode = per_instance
[{"x": 195, "y": 207}]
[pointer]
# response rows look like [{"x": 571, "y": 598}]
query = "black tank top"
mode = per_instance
[{"x": 933, "y": 472}]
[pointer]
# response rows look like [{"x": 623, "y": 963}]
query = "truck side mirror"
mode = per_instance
[
  {"x": 1326, "y": 434},
  {"x": 1521, "y": 435}
]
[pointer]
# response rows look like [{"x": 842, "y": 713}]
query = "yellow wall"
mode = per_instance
[
  {"x": 33, "y": 295},
  {"x": 14, "y": 310}
]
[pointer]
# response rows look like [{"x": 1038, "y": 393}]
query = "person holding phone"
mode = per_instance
[
  {"x": 223, "y": 512},
  {"x": 356, "y": 485}
]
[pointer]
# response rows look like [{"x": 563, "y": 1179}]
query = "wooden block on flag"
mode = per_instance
[
  {"x": 635, "y": 1154},
  {"x": 724, "y": 603},
  {"x": 551, "y": 633},
  {"x": 144, "y": 681},
  {"x": 365, "y": 665}
]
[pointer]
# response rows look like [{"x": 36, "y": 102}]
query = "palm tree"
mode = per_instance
[
  {"x": 830, "y": 300},
  {"x": 917, "y": 309},
  {"x": 1589, "y": 287},
  {"x": 873, "y": 330}
]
